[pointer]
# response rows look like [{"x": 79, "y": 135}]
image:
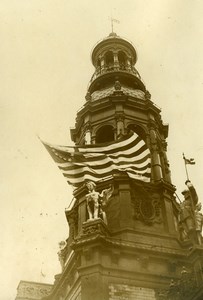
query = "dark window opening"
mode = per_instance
[
  {"x": 122, "y": 60},
  {"x": 137, "y": 129},
  {"x": 105, "y": 134},
  {"x": 109, "y": 60}
]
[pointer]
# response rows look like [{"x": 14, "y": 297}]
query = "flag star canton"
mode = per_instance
[{"x": 58, "y": 155}]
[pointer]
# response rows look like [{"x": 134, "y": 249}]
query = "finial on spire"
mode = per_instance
[{"x": 113, "y": 21}]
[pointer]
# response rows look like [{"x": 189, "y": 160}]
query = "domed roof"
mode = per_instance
[{"x": 113, "y": 40}]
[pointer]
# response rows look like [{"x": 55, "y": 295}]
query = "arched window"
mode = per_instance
[
  {"x": 122, "y": 60},
  {"x": 105, "y": 134},
  {"x": 109, "y": 60},
  {"x": 139, "y": 130}
]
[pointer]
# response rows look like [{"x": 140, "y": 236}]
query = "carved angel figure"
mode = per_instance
[
  {"x": 104, "y": 200},
  {"x": 97, "y": 202}
]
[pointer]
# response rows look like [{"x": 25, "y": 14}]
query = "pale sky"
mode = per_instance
[{"x": 45, "y": 68}]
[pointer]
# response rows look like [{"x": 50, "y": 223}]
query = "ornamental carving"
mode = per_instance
[
  {"x": 33, "y": 290},
  {"x": 147, "y": 207},
  {"x": 117, "y": 85},
  {"x": 94, "y": 227},
  {"x": 72, "y": 217},
  {"x": 91, "y": 229},
  {"x": 119, "y": 117}
]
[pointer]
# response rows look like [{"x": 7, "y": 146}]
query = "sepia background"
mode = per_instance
[{"x": 45, "y": 68}]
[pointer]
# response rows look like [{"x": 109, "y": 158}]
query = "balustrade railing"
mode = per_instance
[{"x": 115, "y": 68}]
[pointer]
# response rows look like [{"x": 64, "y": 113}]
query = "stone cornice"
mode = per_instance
[{"x": 98, "y": 239}]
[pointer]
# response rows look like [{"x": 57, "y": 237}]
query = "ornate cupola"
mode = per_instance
[
  {"x": 114, "y": 59},
  {"x": 117, "y": 102}
]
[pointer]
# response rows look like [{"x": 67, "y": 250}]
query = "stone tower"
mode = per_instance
[{"x": 142, "y": 248}]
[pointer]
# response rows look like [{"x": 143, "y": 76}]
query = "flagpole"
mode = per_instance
[
  {"x": 185, "y": 167},
  {"x": 178, "y": 197}
]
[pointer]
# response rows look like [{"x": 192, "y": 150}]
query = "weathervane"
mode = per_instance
[{"x": 113, "y": 21}]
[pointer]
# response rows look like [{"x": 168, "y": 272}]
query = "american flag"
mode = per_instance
[{"x": 99, "y": 162}]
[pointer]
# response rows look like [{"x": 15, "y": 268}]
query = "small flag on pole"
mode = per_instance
[
  {"x": 189, "y": 161},
  {"x": 115, "y": 20}
]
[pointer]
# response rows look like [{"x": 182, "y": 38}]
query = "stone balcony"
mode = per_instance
[{"x": 114, "y": 68}]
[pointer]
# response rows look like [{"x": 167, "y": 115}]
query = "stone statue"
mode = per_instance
[
  {"x": 92, "y": 199},
  {"x": 198, "y": 222},
  {"x": 191, "y": 219},
  {"x": 183, "y": 232},
  {"x": 61, "y": 254},
  {"x": 187, "y": 213},
  {"x": 188, "y": 206},
  {"x": 97, "y": 202},
  {"x": 105, "y": 198}
]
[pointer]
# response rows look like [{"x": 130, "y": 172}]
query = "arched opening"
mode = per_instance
[
  {"x": 122, "y": 60},
  {"x": 105, "y": 134},
  {"x": 139, "y": 130},
  {"x": 109, "y": 60}
]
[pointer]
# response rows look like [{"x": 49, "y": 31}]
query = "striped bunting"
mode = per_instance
[{"x": 99, "y": 162}]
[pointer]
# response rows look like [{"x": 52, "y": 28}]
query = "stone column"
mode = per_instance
[
  {"x": 88, "y": 129},
  {"x": 156, "y": 162},
  {"x": 116, "y": 62},
  {"x": 128, "y": 64},
  {"x": 119, "y": 125},
  {"x": 165, "y": 163},
  {"x": 93, "y": 139},
  {"x": 102, "y": 64}
]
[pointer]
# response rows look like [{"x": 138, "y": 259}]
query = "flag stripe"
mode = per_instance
[
  {"x": 81, "y": 171},
  {"x": 99, "y": 147},
  {"x": 77, "y": 182},
  {"x": 105, "y": 162},
  {"x": 97, "y": 177},
  {"x": 97, "y": 162},
  {"x": 123, "y": 145}
]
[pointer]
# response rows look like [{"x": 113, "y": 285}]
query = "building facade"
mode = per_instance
[
  {"x": 29, "y": 290},
  {"x": 129, "y": 236}
]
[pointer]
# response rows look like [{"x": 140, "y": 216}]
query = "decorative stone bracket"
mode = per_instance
[{"x": 96, "y": 226}]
